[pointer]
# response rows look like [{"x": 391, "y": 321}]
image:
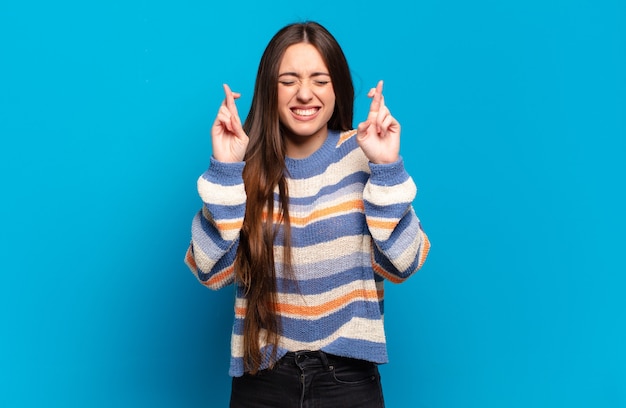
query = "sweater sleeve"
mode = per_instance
[
  {"x": 215, "y": 228},
  {"x": 400, "y": 244}
]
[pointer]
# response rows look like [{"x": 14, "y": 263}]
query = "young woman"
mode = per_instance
[{"x": 307, "y": 218}]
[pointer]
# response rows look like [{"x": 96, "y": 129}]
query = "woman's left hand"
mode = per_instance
[{"x": 379, "y": 135}]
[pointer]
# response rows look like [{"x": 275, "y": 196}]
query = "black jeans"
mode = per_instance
[{"x": 310, "y": 379}]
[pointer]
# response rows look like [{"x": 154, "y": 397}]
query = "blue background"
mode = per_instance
[{"x": 514, "y": 128}]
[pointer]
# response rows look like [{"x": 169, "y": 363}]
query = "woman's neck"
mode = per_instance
[{"x": 301, "y": 147}]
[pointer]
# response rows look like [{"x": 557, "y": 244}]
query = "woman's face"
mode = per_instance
[{"x": 306, "y": 99}]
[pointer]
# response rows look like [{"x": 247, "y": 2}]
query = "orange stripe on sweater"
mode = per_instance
[
  {"x": 382, "y": 272},
  {"x": 219, "y": 278},
  {"x": 345, "y": 136},
  {"x": 388, "y": 225},
  {"x": 229, "y": 225},
  {"x": 311, "y": 311},
  {"x": 190, "y": 260},
  {"x": 329, "y": 211}
]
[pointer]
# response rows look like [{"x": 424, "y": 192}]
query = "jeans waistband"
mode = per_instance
[
  {"x": 305, "y": 357},
  {"x": 308, "y": 356}
]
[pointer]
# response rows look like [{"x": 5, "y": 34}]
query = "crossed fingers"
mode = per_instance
[
  {"x": 379, "y": 114},
  {"x": 228, "y": 116}
]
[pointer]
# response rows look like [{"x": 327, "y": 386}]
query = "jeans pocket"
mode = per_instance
[{"x": 354, "y": 374}]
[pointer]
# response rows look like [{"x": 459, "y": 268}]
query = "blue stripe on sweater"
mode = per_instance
[
  {"x": 388, "y": 174},
  {"x": 325, "y": 283},
  {"x": 361, "y": 349},
  {"x": 384, "y": 262},
  {"x": 224, "y": 174},
  {"x": 205, "y": 233},
  {"x": 388, "y": 211},
  {"x": 227, "y": 212},
  {"x": 402, "y": 237}
]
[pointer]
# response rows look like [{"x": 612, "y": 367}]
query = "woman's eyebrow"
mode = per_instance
[{"x": 314, "y": 74}]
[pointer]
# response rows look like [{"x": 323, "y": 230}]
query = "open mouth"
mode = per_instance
[{"x": 305, "y": 112}]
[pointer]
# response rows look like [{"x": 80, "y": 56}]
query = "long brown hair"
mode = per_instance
[{"x": 265, "y": 171}]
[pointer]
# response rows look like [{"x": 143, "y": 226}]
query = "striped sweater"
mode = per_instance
[{"x": 353, "y": 226}]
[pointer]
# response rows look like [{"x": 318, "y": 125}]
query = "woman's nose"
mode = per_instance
[{"x": 304, "y": 92}]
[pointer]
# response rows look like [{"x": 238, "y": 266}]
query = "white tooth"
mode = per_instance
[{"x": 304, "y": 112}]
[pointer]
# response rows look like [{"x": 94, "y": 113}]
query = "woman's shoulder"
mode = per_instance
[
  {"x": 346, "y": 136},
  {"x": 348, "y": 154},
  {"x": 347, "y": 145}
]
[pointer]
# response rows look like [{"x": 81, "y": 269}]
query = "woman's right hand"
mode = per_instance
[{"x": 228, "y": 139}]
